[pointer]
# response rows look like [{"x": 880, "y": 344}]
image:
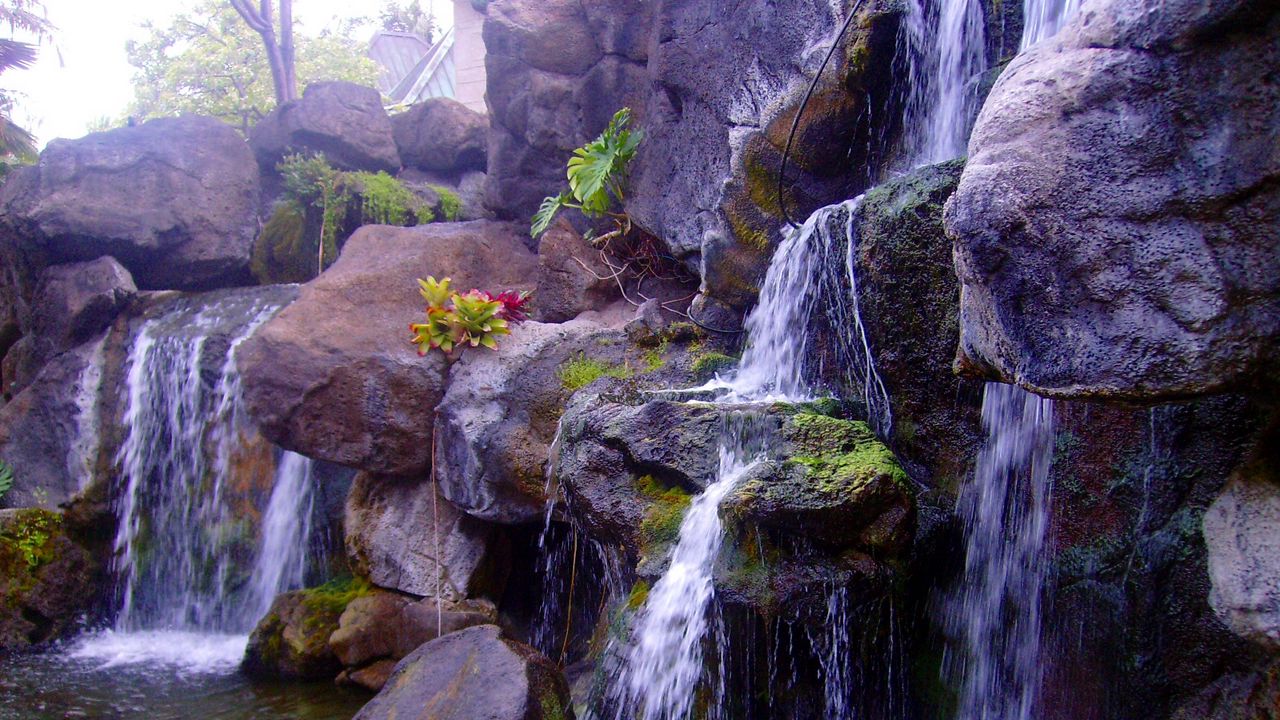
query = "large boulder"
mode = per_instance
[
  {"x": 404, "y": 536},
  {"x": 342, "y": 120},
  {"x": 1115, "y": 224},
  {"x": 174, "y": 200},
  {"x": 498, "y": 418},
  {"x": 334, "y": 376},
  {"x": 472, "y": 674},
  {"x": 443, "y": 135},
  {"x": 379, "y": 629},
  {"x": 292, "y": 641},
  {"x": 47, "y": 581}
]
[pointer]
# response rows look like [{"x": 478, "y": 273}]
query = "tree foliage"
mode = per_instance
[
  {"x": 210, "y": 62},
  {"x": 16, "y": 143},
  {"x": 408, "y": 18}
]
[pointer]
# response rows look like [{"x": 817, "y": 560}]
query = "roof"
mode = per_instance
[{"x": 412, "y": 69}]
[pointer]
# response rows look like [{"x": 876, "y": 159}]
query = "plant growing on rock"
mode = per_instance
[
  {"x": 471, "y": 319},
  {"x": 597, "y": 176},
  {"x": 6, "y": 478}
]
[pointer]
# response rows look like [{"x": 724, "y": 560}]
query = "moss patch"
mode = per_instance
[
  {"x": 27, "y": 540},
  {"x": 334, "y": 596},
  {"x": 709, "y": 363},
  {"x": 839, "y": 453},
  {"x": 450, "y": 203},
  {"x": 581, "y": 371},
  {"x": 661, "y": 524}
]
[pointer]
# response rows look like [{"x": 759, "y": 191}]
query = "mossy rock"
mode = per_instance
[
  {"x": 292, "y": 641},
  {"x": 46, "y": 579},
  {"x": 838, "y": 485}
]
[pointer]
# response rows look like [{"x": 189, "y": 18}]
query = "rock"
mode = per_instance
[
  {"x": 441, "y": 134},
  {"x": 571, "y": 276},
  {"x": 402, "y": 536},
  {"x": 383, "y": 627},
  {"x": 47, "y": 431},
  {"x": 292, "y": 641},
  {"x": 47, "y": 581},
  {"x": 1244, "y": 696},
  {"x": 372, "y": 677},
  {"x": 174, "y": 200},
  {"x": 1115, "y": 237},
  {"x": 472, "y": 674},
  {"x": 838, "y": 485},
  {"x": 343, "y": 120},
  {"x": 908, "y": 298},
  {"x": 73, "y": 303},
  {"x": 334, "y": 376},
  {"x": 1242, "y": 532},
  {"x": 499, "y": 415}
]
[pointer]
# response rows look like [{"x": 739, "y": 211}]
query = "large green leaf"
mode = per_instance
[
  {"x": 546, "y": 213},
  {"x": 588, "y": 170}
]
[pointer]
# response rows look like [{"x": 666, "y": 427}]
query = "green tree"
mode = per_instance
[
  {"x": 209, "y": 62},
  {"x": 17, "y": 144},
  {"x": 409, "y": 18}
]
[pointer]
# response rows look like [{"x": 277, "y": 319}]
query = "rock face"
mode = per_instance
[
  {"x": 173, "y": 200},
  {"x": 334, "y": 376},
  {"x": 569, "y": 276},
  {"x": 343, "y": 120},
  {"x": 498, "y": 417},
  {"x": 1242, "y": 532},
  {"x": 443, "y": 135},
  {"x": 401, "y": 536},
  {"x": 46, "y": 580},
  {"x": 377, "y": 630},
  {"x": 1115, "y": 237},
  {"x": 472, "y": 674},
  {"x": 713, "y": 87}
]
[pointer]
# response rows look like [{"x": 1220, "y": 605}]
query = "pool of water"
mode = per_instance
[{"x": 158, "y": 676}]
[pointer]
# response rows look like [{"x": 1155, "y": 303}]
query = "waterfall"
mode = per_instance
[
  {"x": 942, "y": 45},
  {"x": 995, "y": 616},
  {"x": 1043, "y": 19},
  {"x": 189, "y": 558}
]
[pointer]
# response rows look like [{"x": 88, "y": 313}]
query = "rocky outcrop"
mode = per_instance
[
  {"x": 401, "y": 535},
  {"x": 571, "y": 276},
  {"x": 1115, "y": 236},
  {"x": 292, "y": 641},
  {"x": 473, "y": 673},
  {"x": 173, "y": 200},
  {"x": 334, "y": 376},
  {"x": 379, "y": 629},
  {"x": 1242, "y": 532},
  {"x": 499, "y": 415},
  {"x": 47, "y": 581},
  {"x": 442, "y": 135},
  {"x": 342, "y": 120}
]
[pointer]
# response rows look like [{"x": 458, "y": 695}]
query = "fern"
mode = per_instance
[{"x": 6, "y": 478}]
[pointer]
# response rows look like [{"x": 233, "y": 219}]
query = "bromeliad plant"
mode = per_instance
[
  {"x": 597, "y": 175},
  {"x": 472, "y": 319}
]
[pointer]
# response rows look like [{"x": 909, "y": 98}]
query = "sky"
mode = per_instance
[{"x": 83, "y": 74}]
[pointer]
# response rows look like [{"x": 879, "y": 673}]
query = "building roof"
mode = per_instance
[{"x": 413, "y": 69}]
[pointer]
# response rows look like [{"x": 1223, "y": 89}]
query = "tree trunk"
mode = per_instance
[{"x": 279, "y": 53}]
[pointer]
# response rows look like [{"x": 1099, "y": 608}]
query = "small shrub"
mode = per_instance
[
  {"x": 597, "y": 173},
  {"x": 581, "y": 371},
  {"x": 450, "y": 203}
]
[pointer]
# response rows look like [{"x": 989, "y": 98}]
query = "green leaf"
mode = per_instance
[
  {"x": 546, "y": 213},
  {"x": 6, "y": 478},
  {"x": 588, "y": 170}
]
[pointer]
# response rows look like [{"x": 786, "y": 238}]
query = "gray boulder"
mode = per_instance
[
  {"x": 174, "y": 200},
  {"x": 1242, "y": 533},
  {"x": 1115, "y": 235},
  {"x": 570, "y": 274},
  {"x": 499, "y": 416},
  {"x": 403, "y": 536},
  {"x": 334, "y": 375},
  {"x": 343, "y": 120},
  {"x": 473, "y": 674},
  {"x": 443, "y": 135}
]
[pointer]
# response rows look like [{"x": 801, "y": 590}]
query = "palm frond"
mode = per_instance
[
  {"x": 16, "y": 141},
  {"x": 16, "y": 55}
]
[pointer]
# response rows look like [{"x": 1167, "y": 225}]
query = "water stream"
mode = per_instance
[{"x": 1042, "y": 19}]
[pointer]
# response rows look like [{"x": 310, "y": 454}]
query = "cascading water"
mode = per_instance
[
  {"x": 942, "y": 51},
  {"x": 995, "y": 616},
  {"x": 188, "y": 559},
  {"x": 1043, "y": 19}
]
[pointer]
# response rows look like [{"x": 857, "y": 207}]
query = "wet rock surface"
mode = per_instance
[
  {"x": 1115, "y": 237},
  {"x": 441, "y": 134},
  {"x": 46, "y": 578}
]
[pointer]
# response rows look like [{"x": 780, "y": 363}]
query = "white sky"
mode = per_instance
[{"x": 84, "y": 75}]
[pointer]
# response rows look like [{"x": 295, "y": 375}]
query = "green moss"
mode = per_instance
[
  {"x": 550, "y": 702},
  {"x": 384, "y": 200},
  {"x": 581, "y": 371},
  {"x": 334, "y": 596},
  {"x": 450, "y": 203},
  {"x": 28, "y": 536},
  {"x": 638, "y": 596},
  {"x": 661, "y": 524},
  {"x": 709, "y": 363},
  {"x": 653, "y": 360},
  {"x": 752, "y": 237},
  {"x": 836, "y": 453}
]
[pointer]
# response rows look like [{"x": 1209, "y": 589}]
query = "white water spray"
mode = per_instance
[{"x": 1042, "y": 19}]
